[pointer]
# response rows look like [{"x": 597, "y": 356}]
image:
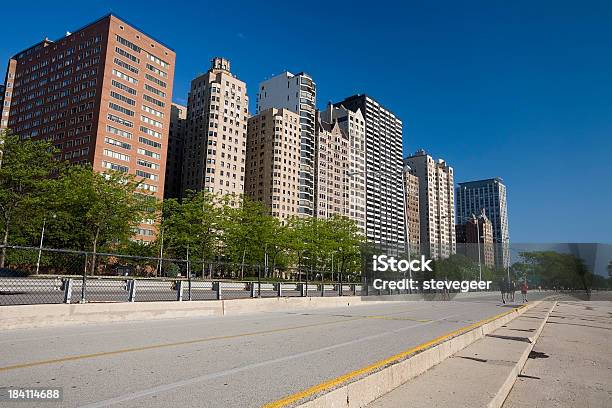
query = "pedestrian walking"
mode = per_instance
[
  {"x": 502, "y": 289},
  {"x": 524, "y": 288}
]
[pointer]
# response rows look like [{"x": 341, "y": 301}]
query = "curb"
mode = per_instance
[
  {"x": 361, "y": 387},
  {"x": 499, "y": 398}
]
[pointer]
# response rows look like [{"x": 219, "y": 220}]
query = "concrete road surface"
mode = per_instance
[{"x": 239, "y": 361}]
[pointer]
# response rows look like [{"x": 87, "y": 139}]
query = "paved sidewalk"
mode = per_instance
[
  {"x": 571, "y": 363},
  {"x": 480, "y": 375}
]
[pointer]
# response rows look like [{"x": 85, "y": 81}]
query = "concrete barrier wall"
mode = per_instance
[
  {"x": 28, "y": 316},
  {"x": 47, "y": 315}
]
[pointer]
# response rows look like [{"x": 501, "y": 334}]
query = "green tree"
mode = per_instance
[
  {"x": 456, "y": 267},
  {"x": 250, "y": 232},
  {"x": 296, "y": 243},
  {"x": 193, "y": 225},
  {"x": 345, "y": 240},
  {"x": 24, "y": 183},
  {"x": 554, "y": 269},
  {"x": 100, "y": 208},
  {"x": 318, "y": 244}
]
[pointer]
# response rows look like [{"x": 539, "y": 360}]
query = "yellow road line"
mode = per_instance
[
  {"x": 383, "y": 317},
  {"x": 327, "y": 385},
  {"x": 165, "y": 345},
  {"x": 181, "y": 343}
]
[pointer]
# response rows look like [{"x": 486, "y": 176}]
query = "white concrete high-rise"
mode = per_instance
[
  {"x": 436, "y": 204},
  {"x": 296, "y": 92},
  {"x": 384, "y": 173}
]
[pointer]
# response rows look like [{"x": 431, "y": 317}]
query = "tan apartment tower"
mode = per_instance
[
  {"x": 215, "y": 145},
  {"x": 413, "y": 219},
  {"x": 436, "y": 204},
  {"x": 176, "y": 141},
  {"x": 331, "y": 169},
  {"x": 352, "y": 125},
  {"x": 101, "y": 95},
  {"x": 273, "y": 161}
]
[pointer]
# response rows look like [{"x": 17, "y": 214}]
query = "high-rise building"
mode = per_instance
[
  {"x": 383, "y": 148},
  {"x": 3, "y": 118},
  {"x": 174, "y": 161},
  {"x": 413, "y": 220},
  {"x": 273, "y": 161},
  {"x": 436, "y": 204},
  {"x": 298, "y": 94},
  {"x": 331, "y": 164},
  {"x": 490, "y": 195},
  {"x": 475, "y": 235},
  {"x": 101, "y": 95},
  {"x": 215, "y": 143},
  {"x": 352, "y": 125}
]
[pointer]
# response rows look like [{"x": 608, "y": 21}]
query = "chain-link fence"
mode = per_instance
[{"x": 42, "y": 275}]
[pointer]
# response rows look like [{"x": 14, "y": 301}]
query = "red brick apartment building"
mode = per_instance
[{"x": 102, "y": 95}]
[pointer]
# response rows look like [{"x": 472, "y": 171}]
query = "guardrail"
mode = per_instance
[{"x": 81, "y": 289}]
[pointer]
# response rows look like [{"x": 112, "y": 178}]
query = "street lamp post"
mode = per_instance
[
  {"x": 40, "y": 248},
  {"x": 507, "y": 240},
  {"x": 477, "y": 240},
  {"x": 405, "y": 170}
]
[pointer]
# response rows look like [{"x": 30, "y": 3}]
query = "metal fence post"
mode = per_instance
[
  {"x": 258, "y": 280},
  {"x": 84, "y": 282},
  {"x": 279, "y": 289},
  {"x": 179, "y": 290},
  {"x": 354, "y": 289},
  {"x": 340, "y": 289},
  {"x": 132, "y": 289},
  {"x": 303, "y": 289},
  {"x": 322, "y": 289},
  {"x": 67, "y": 290},
  {"x": 217, "y": 289},
  {"x": 252, "y": 288}
]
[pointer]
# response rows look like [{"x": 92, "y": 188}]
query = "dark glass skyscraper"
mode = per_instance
[{"x": 490, "y": 194}]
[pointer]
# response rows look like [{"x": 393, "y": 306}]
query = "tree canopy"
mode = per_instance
[{"x": 24, "y": 184}]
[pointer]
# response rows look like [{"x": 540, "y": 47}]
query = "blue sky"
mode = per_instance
[{"x": 520, "y": 90}]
